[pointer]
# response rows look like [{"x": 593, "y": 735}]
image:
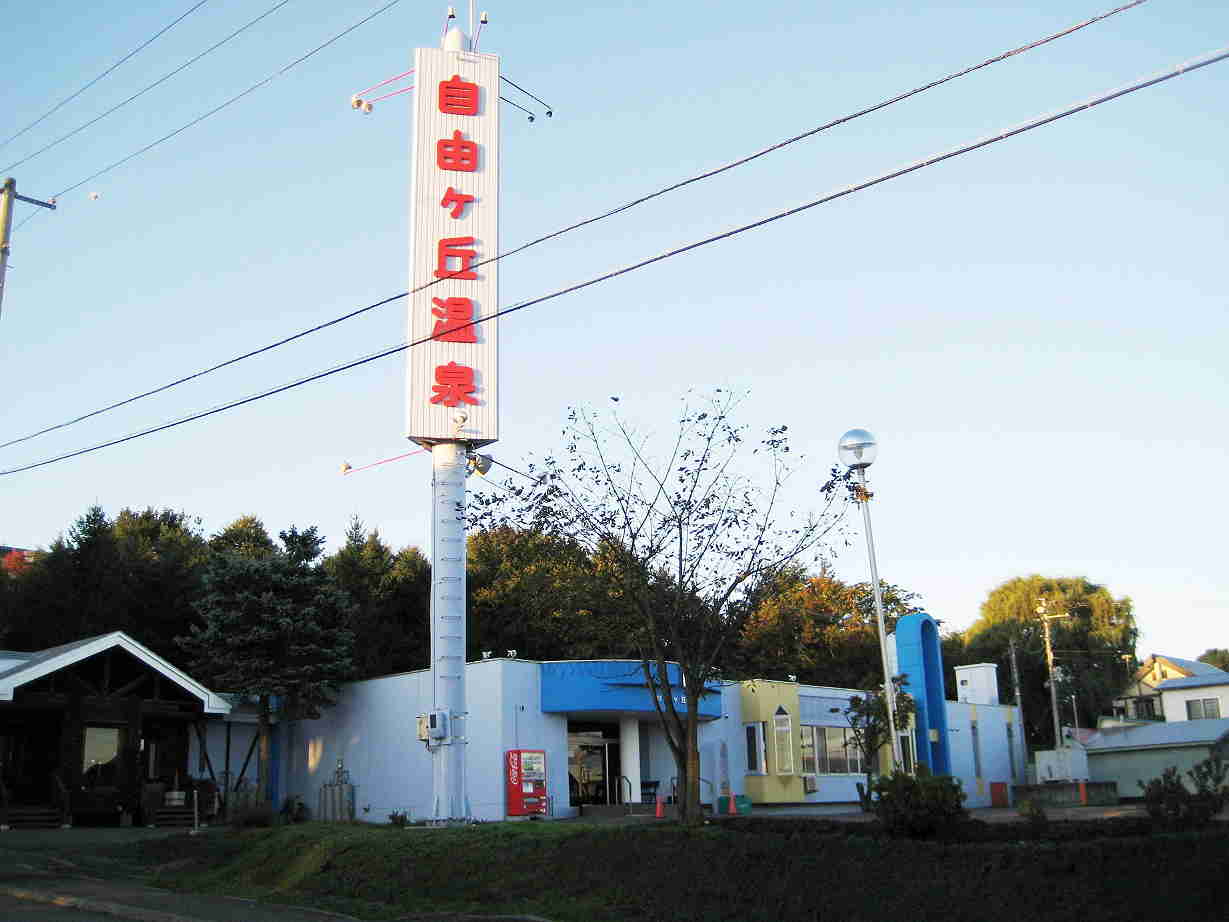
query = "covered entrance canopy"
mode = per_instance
[{"x": 90, "y": 726}]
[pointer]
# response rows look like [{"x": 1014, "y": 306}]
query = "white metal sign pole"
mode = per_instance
[
  {"x": 452, "y": 380},
  {"x": 448, "y": 464}
]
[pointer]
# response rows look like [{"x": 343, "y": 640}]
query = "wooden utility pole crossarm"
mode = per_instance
[{"x": 9, "y": 197}]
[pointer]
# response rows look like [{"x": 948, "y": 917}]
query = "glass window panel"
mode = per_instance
[
  {"x": 1211, "y": 708},
  {"x": 976, "y": 748},
  {"x": 101, "y": 755},
  {"x": 753, "y": 748},
  {"x": 1194, "y": 710},
  {"x": 807, "y": 757},
  {"x": 853, "y": 755},
  {"x": 783, "y": 733},
  {"x": 837, "y": 762}
]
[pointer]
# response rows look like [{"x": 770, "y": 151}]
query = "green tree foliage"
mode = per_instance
[
  {"x": 820, "y": 629},
  {"x": 1094, "y": 647},
  {"x": 1216, "y": 656},
  {"x": 681, "y": 536},
  {"x": 541, "y": 595},
  {"x": 391, "y": 593},
  {"x": 137, "y": 573},
  {"x": 871, "y": 730},
  {"x": 275, "y": 627},
  {"x": 163, "y": 554},
  {"x": 246, "y": 536}
]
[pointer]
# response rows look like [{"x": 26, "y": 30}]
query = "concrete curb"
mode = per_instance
[{"x": 137, "y": 913}]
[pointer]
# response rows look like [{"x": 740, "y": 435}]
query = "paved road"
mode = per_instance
[{"x": 15, "y": 910}]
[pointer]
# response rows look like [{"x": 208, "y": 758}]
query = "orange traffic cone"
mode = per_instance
[
  {"x": 661, "y": 809},
  {"x": 731, "y": 807}
]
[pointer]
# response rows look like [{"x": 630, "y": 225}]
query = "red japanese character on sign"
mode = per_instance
[
  {"x": 456, "y": 154},
  {"x": 454, "y": 385},
  {"x": 458, "y": 97},
  {"x": 452, "y": 313},
  {"x": 458, "y": 201},
  {"x": 454, "y": 248}
]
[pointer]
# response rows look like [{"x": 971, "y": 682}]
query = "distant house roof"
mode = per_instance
[
  {"x": 22, "y": 668},
  {"x": 1158, "y": 735},
  {"x": 1196, "y": 681},
  {"x": 1194, "y": 667}
]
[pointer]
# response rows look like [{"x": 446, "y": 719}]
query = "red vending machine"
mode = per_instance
[{"x": 525, "y": 781}]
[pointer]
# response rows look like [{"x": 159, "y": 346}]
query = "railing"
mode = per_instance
[
  {"x": 627, "y": 802},
  {"x": 63, "y": 799},
  {"x": 674, "y": 789}
]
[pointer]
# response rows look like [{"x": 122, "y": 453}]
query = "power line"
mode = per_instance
[
  {"x": 1141, "y": 84},
  {"x": 592, "y": 220},
  {"x": 142, "y": 92},
  {"x": 234, "y": 99},
  {"x": 824, "y": 127},
  {"x": 66, "y": 100},
  {"x": 204, "y": 371}
]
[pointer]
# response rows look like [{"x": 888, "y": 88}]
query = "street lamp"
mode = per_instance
[{"x": 857, "y": 449}]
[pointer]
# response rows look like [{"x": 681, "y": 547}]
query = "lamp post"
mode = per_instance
[{"x": 857, "y": 449}]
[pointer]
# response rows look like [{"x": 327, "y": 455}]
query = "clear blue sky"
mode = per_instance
[{"x": 1036, "y": 332}]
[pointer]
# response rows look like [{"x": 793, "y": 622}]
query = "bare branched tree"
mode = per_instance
[{"x": 681, "y": 540}]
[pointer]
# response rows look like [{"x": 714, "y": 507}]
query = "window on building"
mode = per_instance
[
  {"x": 1011, "y": 749},
  {"x": 806, "y": 750},
  {"x": 755, "y": 747},
  {"x": 838, "y": 764},
  {"x": 976, "y": 748},
  {"x": 101, "y": 756},
  {"x": 783, "y": 740},
  {"x": 1145, "y": 708},
  {"x": 1202, "y": 709},
  {"x": 906, "y": 752}
]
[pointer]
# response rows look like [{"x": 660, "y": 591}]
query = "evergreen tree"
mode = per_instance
[
  {"x": 274, "y": 627},
  {"x": 391, "y": 594}
]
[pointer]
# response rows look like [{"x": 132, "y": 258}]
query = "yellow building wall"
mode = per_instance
[{"x": 760, "y": 699}]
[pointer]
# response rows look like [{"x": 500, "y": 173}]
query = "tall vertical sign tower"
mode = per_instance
[{"x": 453, "y": 378}]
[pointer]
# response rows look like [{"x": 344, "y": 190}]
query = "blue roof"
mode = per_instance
[
  {"x": 1195, "y": 681},
  {"x": 1157, "y": 735},
  {"x": 1194, "y": 667}
]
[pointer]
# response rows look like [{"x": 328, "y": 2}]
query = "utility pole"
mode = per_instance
[
  {"x": 1045, "y": 624},
  {"x": 1015, "y": 682},
  {"x": 8, "y": 196}
]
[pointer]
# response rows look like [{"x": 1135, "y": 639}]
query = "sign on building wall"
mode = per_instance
[{"x": 455, "y": 222}]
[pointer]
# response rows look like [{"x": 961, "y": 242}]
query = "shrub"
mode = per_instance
[
  {"x": 251, "y": 814},
  {"x": 399, "y": 818},
  {"x": 294, "y": 810},
  {"x": 1209, "y": 779},
  {"x": 918, "y": 806},
  {"x": 1172, "y": 806},
  {"x": 1034, "y": 814}
]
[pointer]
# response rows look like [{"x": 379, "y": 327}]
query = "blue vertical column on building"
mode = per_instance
[{"x": 920, "y": 658}]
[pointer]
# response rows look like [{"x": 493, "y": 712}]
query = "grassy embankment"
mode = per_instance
[{"x": 733, "y": 871}]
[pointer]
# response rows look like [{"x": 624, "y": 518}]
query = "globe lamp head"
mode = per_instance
[{"x": 857, "y": 449}]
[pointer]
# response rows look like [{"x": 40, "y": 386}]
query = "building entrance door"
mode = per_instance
[{"x": 594, "y": 775}]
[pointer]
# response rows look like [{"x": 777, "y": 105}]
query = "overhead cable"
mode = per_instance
[
  {"x": 67, "y": 99},
  {"x": 137, "y": 95},
  {"x": 1141, "y": 84},
  {"x": 587, "y": 221},
  {"x": 203, "y": 371},
  {"x": 231, "y": 101}
]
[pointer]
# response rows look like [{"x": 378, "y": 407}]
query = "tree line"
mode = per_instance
[{"x": 547, "y": 597}]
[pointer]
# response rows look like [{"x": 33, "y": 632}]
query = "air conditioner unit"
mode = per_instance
[{"x": 810, "y": 784}]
